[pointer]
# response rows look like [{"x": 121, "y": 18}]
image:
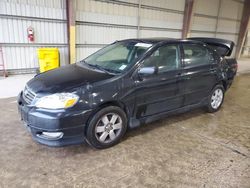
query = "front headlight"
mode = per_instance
[{"x": 57, "y": 101}]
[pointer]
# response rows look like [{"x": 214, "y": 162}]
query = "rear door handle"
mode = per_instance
[{"x": 212, "y": 70}]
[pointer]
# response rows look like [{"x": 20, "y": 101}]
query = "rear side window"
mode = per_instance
[{"x": 195, "y": 55}]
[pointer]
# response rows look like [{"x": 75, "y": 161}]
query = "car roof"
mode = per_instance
[{"x": 156, "y": 40}]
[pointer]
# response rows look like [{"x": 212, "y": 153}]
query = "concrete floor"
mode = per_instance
[{"x": 195, "y": 149}]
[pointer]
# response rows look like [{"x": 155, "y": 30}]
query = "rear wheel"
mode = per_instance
[
  {"x": 216, "y": 99},
  {"x": 107, "y": 127}
]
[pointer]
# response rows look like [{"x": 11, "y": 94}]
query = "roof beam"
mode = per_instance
[
  {"x": 243, "y": 27},
  {"x": 187, "y": 17}
]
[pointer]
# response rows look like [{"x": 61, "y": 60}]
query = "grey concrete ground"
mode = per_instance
[
  {"x": 12, "y": 85},
  {"x": 194, "y": 149}
]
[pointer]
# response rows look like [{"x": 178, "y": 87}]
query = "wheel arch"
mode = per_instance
[{"x": 106, "y": 104}]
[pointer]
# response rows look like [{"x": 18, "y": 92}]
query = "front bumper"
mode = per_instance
[{"x": 71, "y": 123}]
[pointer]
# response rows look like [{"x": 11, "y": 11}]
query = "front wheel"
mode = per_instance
[
  {"x": 216, "y": 99},
  {"x": 107, "y": 127}
]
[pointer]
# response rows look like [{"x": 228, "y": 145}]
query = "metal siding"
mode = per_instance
[
  {"x": 102, "y": 35},
  {"x": 217, "y": 18},
  {"x": 153, "y": 18},
  {"x": 83, "y": 52},
  {"x": 193, "y": 34},
  {"x": 15, "y": 31},
  {"x": 169, "y": 34},
  {"x": 231, "y": 9},
  {"x": 50, "y": 30},
  {"x": 228, "y": 26},
  {"x": 169, "y": 4},
  {"x": 102, "y": 22},
  {"x": 204, "y": 24},
  {"x": 105, "y": 18},
  {"x": 207, "y": 7}
]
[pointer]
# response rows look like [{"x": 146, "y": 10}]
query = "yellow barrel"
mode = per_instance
[{"x": 48, "y": 58}]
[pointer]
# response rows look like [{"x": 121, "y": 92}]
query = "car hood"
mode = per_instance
[{"x": 65, "y": 78}]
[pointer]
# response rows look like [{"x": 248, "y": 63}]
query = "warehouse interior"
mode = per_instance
[{"x": 195, "y": 149}]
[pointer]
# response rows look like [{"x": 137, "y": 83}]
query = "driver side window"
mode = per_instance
[{"x": 165, "y": 58}]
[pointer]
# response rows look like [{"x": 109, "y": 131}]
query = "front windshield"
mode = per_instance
[{"x": 117, "y": 57}]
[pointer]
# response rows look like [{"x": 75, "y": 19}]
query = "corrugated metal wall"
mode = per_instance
[
  {"x": 217, "y": 18},
  {"x": 101, "y": 22},
  {"x": 47, "y": 17}
]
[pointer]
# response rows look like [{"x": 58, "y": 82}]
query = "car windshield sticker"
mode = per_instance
[
  {"x": 144, "y": 45},
  {"x": 122, "y": 67}
]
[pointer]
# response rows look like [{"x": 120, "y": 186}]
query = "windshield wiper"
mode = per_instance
[{"x": 107, "y": 70}]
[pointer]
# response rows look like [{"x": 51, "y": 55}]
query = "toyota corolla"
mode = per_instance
[{"x": 124, "y": 85}]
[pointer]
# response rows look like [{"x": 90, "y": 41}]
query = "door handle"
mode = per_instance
[
  {"x": 187, "y": 78},
  {"x": 212, "y": 70},
  {"x": 178, "y": 74}
]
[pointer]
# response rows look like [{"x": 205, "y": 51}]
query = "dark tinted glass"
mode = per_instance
[
  {"x": 166, "y": 58},
  {"x": 196, "y": 55}
]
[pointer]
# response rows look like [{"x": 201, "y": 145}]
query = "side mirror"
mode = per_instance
[{"x": 147, "y": 71}]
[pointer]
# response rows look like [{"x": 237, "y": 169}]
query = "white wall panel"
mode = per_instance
[
  {"x": 32, "y": 10},
  {"x": 50, "y": 30},
  {"x": 231, "y": 9},
  {"x": 228, "y": 26},
  {"x": 158, "y": 18},
  {"x": 15, "y": 31},
  {"x": 153, "y": 18},
  {"x": 83, "y": 52},
  {"x": 105, "y": 8},
  {"x": 193, "y": 34},
  {"x": 207, "y": 7},
  {"x": 203, "y": 24},
  {"x": 169, "y": 4},
  {"x": 168, "y": 34},
  {"x": 105, "y": 18},
  {"x": 102, "y": 35},
  {"x": 217, "y": 18}
]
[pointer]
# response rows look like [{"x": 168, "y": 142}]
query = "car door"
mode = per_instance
[
  {"x": 199, "y": 73},
  {"x": 161, "y": 91}
]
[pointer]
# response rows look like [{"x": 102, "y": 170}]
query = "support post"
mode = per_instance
[
  {"x": 71, "y": 28},
  {"x": 139, "y": 18},
  {"x": 243, "y": 27},
  {"x": 187, "y": 17}
]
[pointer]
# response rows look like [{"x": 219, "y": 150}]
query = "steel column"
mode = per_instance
[
  {"x": 71, "y": 19},
  {"x": 187, "y": 17},
  {"x": 243, "y": 27}
]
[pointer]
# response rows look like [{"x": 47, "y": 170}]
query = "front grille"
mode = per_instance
[{"x": 28, "y": 95}]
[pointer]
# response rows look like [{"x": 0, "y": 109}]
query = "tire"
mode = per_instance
[
  {"x": 107, "y": 127},
  {"x": 215, "y": 99}
]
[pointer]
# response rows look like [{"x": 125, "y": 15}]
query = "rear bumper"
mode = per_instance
[{"x": 70, "y": 124}]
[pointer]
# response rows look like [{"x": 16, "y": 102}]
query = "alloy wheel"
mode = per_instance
[
  {"x": 108, "y": 128},
  {"x": 217, "y": 98}
]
